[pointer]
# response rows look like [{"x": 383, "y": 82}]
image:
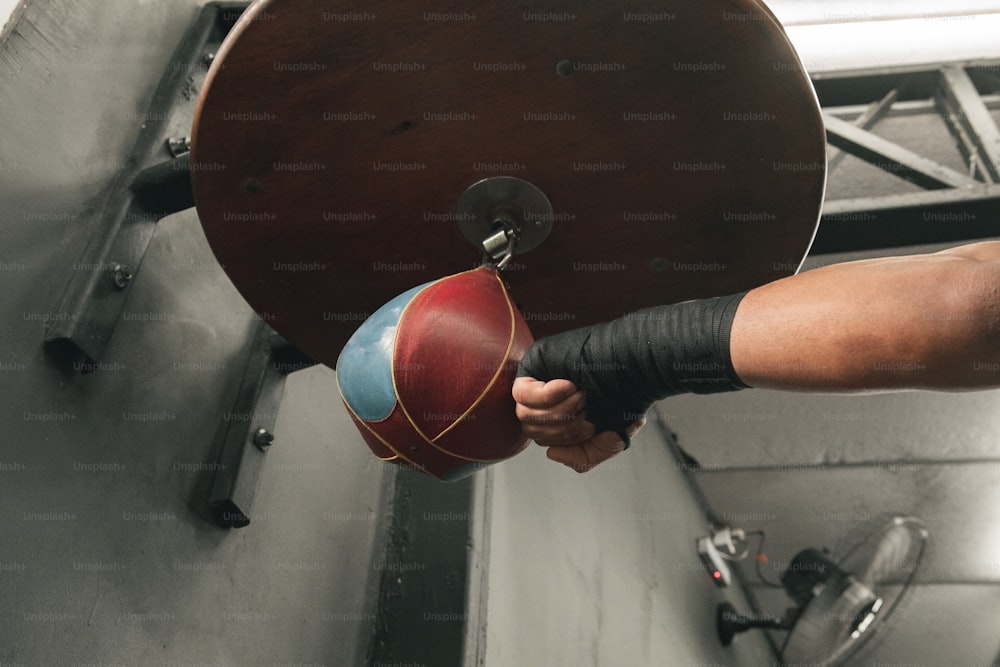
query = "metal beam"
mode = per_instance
[
  {"x": 892, "y": 157},
  {"x": 427, "y": 574},
  {"x": 937, "y": 216},
  {"x": 967, "y": 115},
  {"x": 866, "y": 121},
  {"x": 956, "y": 207},
  {"x": 904, "y": 108},
  {"x": 981, "y": 192},
  {"x": 894, "y": 70}
]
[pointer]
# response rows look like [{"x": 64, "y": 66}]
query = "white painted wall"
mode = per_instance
[
  {"x": 7, "y": 8},
  {"x": 832, "y": 35},
  {"x": 601, "y": 569},
  {"x": 893, "y": 43},
  {"x": 811, "y": 12}
]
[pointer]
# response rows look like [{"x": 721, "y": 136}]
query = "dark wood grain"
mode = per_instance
[{"x": 299, "y": 119}]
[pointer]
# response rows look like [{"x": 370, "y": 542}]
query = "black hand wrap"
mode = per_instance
[{"x": 627, "y": 364}]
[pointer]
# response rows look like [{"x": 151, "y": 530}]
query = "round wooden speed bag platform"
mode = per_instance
[{"x": 679, "y": 144}]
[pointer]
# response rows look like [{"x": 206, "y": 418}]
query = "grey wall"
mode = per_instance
[
  {"x": 102, "y": 558},
  {"x": 601, "y": 569}
]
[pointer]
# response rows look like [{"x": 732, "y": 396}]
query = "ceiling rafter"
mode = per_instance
[{"x": 952, "y": 206}]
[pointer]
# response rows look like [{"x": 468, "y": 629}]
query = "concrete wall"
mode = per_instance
[
  {"x": 601, "y": 569},
  {"x": 103, "y": 560}
]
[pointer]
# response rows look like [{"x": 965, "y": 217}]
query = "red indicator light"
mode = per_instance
[{"x": 717, "y": 574}]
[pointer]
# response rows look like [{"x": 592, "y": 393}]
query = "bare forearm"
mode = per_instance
[{"x": 918, "y": 322}]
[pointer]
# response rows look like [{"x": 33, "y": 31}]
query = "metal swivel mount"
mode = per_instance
[
  {"x": 823, "y": 592},
  {"x": 503, "y": 216},
  {"x": 729, "y": 623}
]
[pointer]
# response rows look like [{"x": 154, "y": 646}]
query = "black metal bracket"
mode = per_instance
[
  {"x": 728, "y": 623},
  {"x": 154, "y": 181},
  {"x": 248, "y": 430}
]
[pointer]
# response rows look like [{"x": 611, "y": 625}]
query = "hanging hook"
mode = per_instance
[{"x": 503, "y": 242}]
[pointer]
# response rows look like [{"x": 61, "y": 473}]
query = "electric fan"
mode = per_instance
[{"x": 842, "y": 602}]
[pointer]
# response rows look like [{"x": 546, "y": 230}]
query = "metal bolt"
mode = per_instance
[
  {"x": 263, "y": 439},
  {"x": 179, "y": 146},
  {"x": 565, "y": 68},
  {"x": 120, "y": 275}
]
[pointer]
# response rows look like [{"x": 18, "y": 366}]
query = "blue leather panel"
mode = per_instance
[{"x": 364, "y": 369}]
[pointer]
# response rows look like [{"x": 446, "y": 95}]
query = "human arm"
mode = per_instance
[{"x": 917, "y": 322}]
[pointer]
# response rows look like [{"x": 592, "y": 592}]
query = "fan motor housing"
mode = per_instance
[{"x": 809, "y": 569}]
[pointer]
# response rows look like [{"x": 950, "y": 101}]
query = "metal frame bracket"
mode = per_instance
[
  {"x": 153, "y": 183},
  {"x": 247, "y": 430}
]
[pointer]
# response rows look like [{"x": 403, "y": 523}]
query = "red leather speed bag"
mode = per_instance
[{"x": 427, "y": 378}]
